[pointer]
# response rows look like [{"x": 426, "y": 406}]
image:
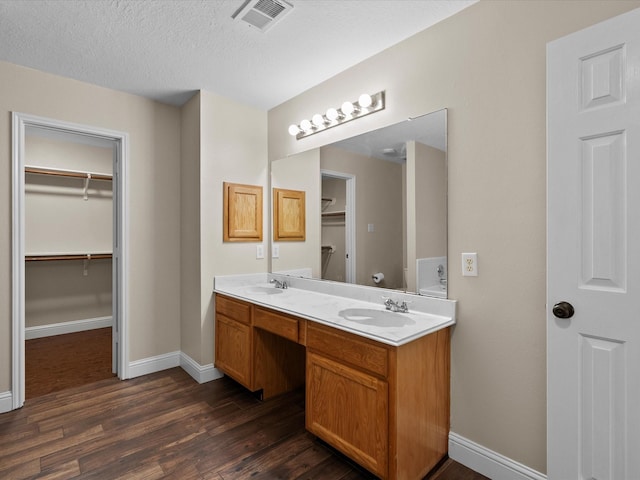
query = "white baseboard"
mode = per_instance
[
  {"x": 487, "y": 462},
  {"x": 154, "y": 364},
  {"x": 67, "y": 327},
  {"x": 6, "y": 402},
  {"x": 200, "y": 373}
]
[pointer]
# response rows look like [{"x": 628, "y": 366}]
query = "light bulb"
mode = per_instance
[
  {"x": 332, "y": 114},
  {"x": 294, "y": 130},
  {"x": 365, "y": 100},
  {"x": 318, "y": 120},
  {"x": 347, "y": 108},
  {"x": 306, "y": 125}
]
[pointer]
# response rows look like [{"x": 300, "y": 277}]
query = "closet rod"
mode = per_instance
[
  {"x": 81, "y": 256},
  {"x": 67, "y": 173},
  {"x": 334, "y": 214}
]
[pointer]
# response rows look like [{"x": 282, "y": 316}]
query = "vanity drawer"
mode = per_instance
[
  {"x": 362, "y": 353},
  {"x": 235, "y": 309},
  {"x": 277, "y": 323}
]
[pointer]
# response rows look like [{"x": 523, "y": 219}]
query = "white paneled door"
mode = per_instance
[{"x": 593, "y": 287}]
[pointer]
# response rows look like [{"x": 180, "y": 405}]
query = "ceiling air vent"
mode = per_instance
[{"x": 262, "y": 14}]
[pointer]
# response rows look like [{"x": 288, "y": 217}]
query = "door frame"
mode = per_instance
[
  {"x": 349, "y": 221},
  {"x": 20, "y": 123}
]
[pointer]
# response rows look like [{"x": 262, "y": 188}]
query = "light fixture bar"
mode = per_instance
[{"x": 365, "y": 105}]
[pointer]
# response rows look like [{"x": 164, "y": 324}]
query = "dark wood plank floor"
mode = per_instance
[
  {"x": 166, "y": 425},
  {"x": 62, "y": 361}
]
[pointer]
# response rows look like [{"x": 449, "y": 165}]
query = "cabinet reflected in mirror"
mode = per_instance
[{"x": 376, "y": 208}]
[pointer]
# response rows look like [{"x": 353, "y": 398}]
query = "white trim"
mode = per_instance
[
  {"x": 6, "y": 402},
  {"x": 63, "y": 328},
  {"x": 17, "y": 260},
  {"x": 200, "y": 373},
  {"x": 155, "y": 364},
  {"x": 20, "y": 122},
  {"x": 120, "y": 257},
  {"x": 487, "y": 462}
]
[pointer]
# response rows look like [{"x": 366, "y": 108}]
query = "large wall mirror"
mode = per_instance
[{"x": 376, "y": 210}]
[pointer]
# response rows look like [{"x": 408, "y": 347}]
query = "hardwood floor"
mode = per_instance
[
  {"x": 62, "y": 361},
  {"x": 166, "y": 425}
]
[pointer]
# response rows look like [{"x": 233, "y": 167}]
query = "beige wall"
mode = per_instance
[
  {"x": 293, "y": 173},
  {"x": 154, "y": 153},
  {"x": 431, "y": 201},
  {"x": 426, "y": 222},
  {"x": 58, "y": 292},
  {"x": 222, "y": 141},
  {"x": 190, "y": 317},
  {"x": 233, "y": 146},
  {"x": 57, "y": 218},
  {"x": 487, "y": 66}
]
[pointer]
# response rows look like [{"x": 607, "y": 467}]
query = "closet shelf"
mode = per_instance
[
  {"x": 67, "y": 173},
  {"x": 67, "y": 256},
  {"x": 340, "y": 213}
]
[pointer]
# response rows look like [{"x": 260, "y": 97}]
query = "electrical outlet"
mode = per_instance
[
  {"x": 259, "y": 251},
  {"x": 469, "y": 264},
  {"x": 275, "y": 251}
]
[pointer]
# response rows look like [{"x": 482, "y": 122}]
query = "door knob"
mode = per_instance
[{"x": 563, "y": 310}]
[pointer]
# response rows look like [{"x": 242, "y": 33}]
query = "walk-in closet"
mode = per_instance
[
  {"x": 68, "y": 260},
  {"x": 333, "y": 232}
]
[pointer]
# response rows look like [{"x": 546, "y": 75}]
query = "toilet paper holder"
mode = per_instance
[{"x": 377, "y": 277}]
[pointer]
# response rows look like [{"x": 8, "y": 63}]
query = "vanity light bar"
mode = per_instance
[{"x": 365, "y": 105}]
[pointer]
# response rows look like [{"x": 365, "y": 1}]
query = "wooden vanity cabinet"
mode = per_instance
[
  {"x": 279, "y": 359},
  {"x": 347, "y": 397},
  {"x": 385, "y": 407},
  {"x": 234, "y": 340},
  {"x": 259, "y": 348}
]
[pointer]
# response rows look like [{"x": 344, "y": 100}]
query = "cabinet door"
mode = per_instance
[
  {"x": 349, "y": 410},
  {"x": 233, "y": 349}
]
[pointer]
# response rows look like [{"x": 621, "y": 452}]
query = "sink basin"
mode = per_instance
[
  {"x": 263, "y": 290},
  {"x": 378, "y": 318}
]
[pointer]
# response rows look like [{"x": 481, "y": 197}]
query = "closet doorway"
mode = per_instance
[
  {"x": 338, "y": 242},
  {"x": 69, "y": 252}
]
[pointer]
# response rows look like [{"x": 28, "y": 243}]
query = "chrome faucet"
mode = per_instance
[
  {"x": 442, "y": 278},
  {"x": 279, "y": 284},
  {"x": 396, "y": 306}
]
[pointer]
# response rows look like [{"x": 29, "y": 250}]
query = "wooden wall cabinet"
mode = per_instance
[
  {"x": 242, "y": 213},
  {"x": 288, "y": 215},
  {"x": 385, "y": 407}
]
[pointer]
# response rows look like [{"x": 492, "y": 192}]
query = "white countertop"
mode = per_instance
[{"x": 322, "y": 302}]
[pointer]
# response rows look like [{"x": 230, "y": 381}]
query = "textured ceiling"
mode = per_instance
[{"x": 167, "y": 49}]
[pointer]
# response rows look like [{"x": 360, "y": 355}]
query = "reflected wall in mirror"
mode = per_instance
[{"x": 379, "y": 213}]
